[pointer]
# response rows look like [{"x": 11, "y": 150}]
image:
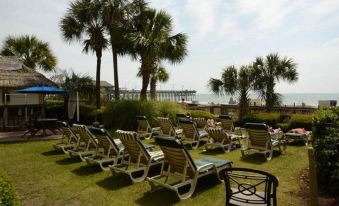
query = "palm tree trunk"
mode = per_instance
[
  {"x": 145, "y": 82},
  {"x": 153, "y": 89},
  {"x": 97, "y": 82},
  {"x": 115, "y": 70},
  {"x": 269, "y": 97}
]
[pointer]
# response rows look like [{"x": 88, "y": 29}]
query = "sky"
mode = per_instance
[{"x": 220, "y": 33}]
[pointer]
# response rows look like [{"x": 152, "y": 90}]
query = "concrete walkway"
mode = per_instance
[{"x": 18, "y": 136}]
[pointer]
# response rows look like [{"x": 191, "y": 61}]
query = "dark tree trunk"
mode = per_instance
[
  {"x": 153, "y": 88},
  {"x": 243, "y": 104},
  {"x": 270, "y": 100},
  {"x": 145, "y": 82},
  {"x": 97, "y": 81},
  {"x": 65, "y": 114},
  {"x": 116, "y": 77}
]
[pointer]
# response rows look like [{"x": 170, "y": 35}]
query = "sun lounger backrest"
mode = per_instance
[
  {"x": 226, "y": 122},
  {"x": 258, "y": 134},
  {"x": 133, "y": 146},
  {"x": 176, "y": 155},
  {"x": 143, "y": 124},
  {"x": 68, "y": 133},
  {"x": 189, "y": 129},
  {"x": 165, "y": 125},
  {"x": 217, "y": 134},
  {"x": 105, "y": 141},
  {"x": 85, "y": 135},
  {"x": 201, "y": 122}
]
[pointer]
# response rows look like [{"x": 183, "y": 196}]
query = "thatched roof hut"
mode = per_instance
[{"x": 15, "y": 75}]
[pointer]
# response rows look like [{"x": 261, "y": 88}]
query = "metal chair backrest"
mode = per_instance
[
  {"x": 85, "y": 135},
  {"x": 218, "y": 135},
  {"x": 136, "y": 150},
  {"x": 189, "y": 129},
  {"x": 176, "y": 155},
  {"x": 166, "y": 126},
  {"x": 258, "y": 134},
  {"x": 68, "y": 134},
  {"x": 226, "y": 123},
  {"x": 249, "y": 186},
  {"x": 105, "y": 141},
  {"x": 143, "y": 124},
  {"x": 200, "y": 122}
]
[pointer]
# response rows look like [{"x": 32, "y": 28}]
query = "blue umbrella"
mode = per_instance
[{"x": 42, "y": 90}]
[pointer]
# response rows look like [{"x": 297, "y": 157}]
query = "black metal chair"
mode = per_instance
[{"x": 249, "y": 187}]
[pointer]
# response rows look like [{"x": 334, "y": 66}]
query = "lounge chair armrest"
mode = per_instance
[{"x": 206, "y": 166}]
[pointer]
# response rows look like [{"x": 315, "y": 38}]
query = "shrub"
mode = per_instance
[
  {"x": 326, "y": 145},
  {"x": 168, "y": 109},
  {"x": 300, "y": 121},
  {"x": 121, "y": 114},
  {"x": 87, "y": 114},
  {"x": 283, "y": 126},
  {"x": 270, "y": 119},
  {"x": 201, "y": 113},
  {"x": 8, "y": 195}
]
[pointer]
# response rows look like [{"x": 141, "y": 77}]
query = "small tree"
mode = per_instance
[
  {"x": 267, "y": 72},
  {"x": 233, "y": 82}
]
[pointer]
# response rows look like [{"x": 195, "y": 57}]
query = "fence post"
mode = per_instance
[{"x": 313, "y": 178}]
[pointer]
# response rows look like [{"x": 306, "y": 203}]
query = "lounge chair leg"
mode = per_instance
[
  {"x": 189, "y": 193},
  {"x": 268, "y": 155}
]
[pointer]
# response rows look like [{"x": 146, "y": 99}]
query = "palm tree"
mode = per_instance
[
  {"x": 73, "y": 83},
  {"x": 33, "y": 52},
  {"x": 268, "y": 71},
  {"x": 159, "y": 74},
  {"x": 83, "y": 21},
  {"x": 232, "y": 82},
  {"x": 152, "y": 42},
  {"x": 117, "y": 15}
]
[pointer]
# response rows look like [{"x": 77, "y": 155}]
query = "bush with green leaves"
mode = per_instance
[
  {"x": 200, "y": 113},
  {"x": 8, "y": 195},
  {"x": 121, "y": 114},
  {"x": 168, "y": 109},
  {"x": 326, "y": 145},
  {"x": 301, "y": 121},
  {"x": 270, "y": 119}
]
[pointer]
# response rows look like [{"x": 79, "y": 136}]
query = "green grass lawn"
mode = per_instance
[{"x": 45, "y": 177}]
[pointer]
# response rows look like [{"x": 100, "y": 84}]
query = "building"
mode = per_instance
[{"x": 16, "y": 108}]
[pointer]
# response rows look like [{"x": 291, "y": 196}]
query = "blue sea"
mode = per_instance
[{"x": 289, "y": 99}]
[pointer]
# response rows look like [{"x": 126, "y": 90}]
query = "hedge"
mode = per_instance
[
  {"x": 300, "y": 121},
  {"x": 270, "y": 119},
  {"x": 8, "y": 194},
  {"x": 326, "y": 145}
]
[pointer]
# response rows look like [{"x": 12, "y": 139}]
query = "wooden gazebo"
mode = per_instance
[{"x": 14, "y": 75}]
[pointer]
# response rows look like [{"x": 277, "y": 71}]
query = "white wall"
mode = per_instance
[{"x": 20, "y": 99}]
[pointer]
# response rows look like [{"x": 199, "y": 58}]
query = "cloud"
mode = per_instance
[{"x": 203, "y": 14}]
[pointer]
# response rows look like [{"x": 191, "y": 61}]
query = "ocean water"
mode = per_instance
[{"x": 289, "y": 99}]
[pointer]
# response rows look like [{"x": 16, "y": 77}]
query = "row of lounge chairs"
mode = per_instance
[{"x": 129, "y": 155}]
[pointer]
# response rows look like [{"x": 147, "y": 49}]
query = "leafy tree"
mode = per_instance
[
  {"x": 117, "y": 16},
  {"x": 268, "y": 71},
  {"x": 72, "y": 83},
  {"x": 152, "y": 42},
  {"x": 33, "y": 52},
  {"x": 159, "y": 74},
  {"x": 83, "y": 21},
  {"x": 233, "y": 81}
]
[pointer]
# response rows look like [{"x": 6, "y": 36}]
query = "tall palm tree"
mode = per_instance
[
  {"x": 159, "y": 74},
  {"x": 83, "y": 22},
  {"x": 152, "y": 42},
  {"x": 33, "y": 52},
  {"x": 117, "y": 15},
  {"x": 233, "y": 82},
  {"x": 268, "y": 71}
]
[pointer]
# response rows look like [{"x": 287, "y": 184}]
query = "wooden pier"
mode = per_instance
[{"x": 161, "y": 95}]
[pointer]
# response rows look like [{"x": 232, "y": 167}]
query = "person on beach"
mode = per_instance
[{"x": 183, "y": 103}]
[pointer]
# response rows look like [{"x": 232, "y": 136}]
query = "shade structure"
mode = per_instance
[{"x": 42, "y": 90}]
